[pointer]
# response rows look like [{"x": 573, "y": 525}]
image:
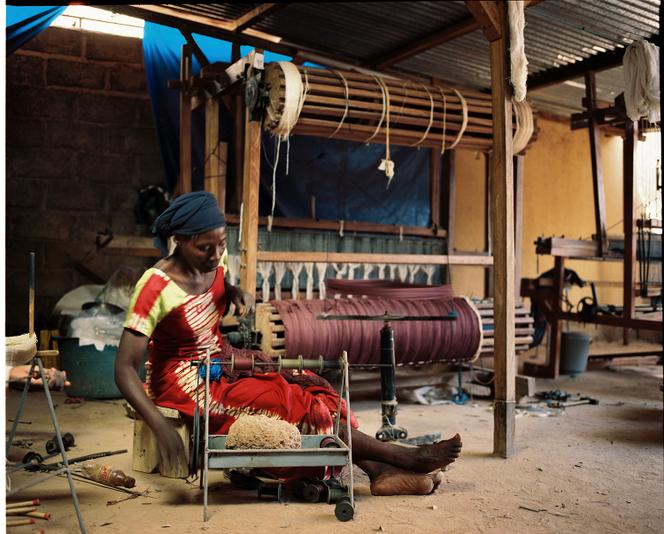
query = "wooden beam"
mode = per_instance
[
  {"x": 256, "y": 15},
  {"x": 238, "y": 138},
  {"x": 629, "y": 221},
  {"x": 362, "y": 257},
  {"x": 437, "y": 38},
  {"x": 449, "y": 196},
  {"x": 216, "y": 154},
  {"x": 488, "y": 16},
  {"x": 434, "y": 187},
  {"x": 597, "y": 164},
  {"x": 349, "y": 226},
  {"x": 503, "y": 232},
  {"x": 518, "y": 222},
  {"x": 421, "y": 45},
  {"x": 250, "y": 187},
  {"x": 184, "y": 181},
  {"x": 596, "y": 63},
  {"x": 488, "y": 241}
]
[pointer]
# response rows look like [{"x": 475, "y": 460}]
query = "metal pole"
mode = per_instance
[
  {"x": 206, "y": 408},
  {"x": 346, "y": 381},
  {"x": 19, "y": 411},
  {"x": 61, "y": 445}
]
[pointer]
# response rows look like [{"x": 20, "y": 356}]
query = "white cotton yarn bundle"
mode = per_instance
[
  {"x": 262, "y": 432},
  {"x": 641, "y": 70},
  {"x": 518, "y": 60}
]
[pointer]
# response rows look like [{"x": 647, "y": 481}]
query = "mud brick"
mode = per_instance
[
  {"x": 128, "y": 78},
  {"x": 77, "y": 196},
  {"x": 33, "y": 102},
  {"x": 79, "y": 135},
  {"x": 39, "y": 163},
  {"x": 150, "y": 171},
  {"x": 75, "y": 74},
  {"x": 144, "y": 115},
  {"x": 25, "y": 70},
  {"x": 112, "y": 168},
  {"x": 57, "y": 41},
  {"x": 26, "y": 133},
  {"x": 105, "y": 47},
  {"x": 45, "y": 224},
  {"x": 25, "y": 193},
  {"x": 106, "y": 109},
  {"x": 133, "y": 141}
]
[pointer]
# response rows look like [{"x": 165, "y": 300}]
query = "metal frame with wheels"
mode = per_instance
[{"x": 327, "y": 450}]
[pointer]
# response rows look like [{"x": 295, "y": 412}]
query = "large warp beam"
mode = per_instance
[{"x": 416, "y": 342}]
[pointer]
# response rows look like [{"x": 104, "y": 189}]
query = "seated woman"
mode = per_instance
[{"x": 175, "y": 312}]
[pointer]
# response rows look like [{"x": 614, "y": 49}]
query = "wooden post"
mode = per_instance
[
  {"x": 502, "y": 203},
  {"x": 250, "y": 185},
  {"x": 596, "y": 161},
  {"x": 238, "y": 139},
  {"x": 629, "y": 153},
  {"x": 518, "y": 222},
  {"x": 184, "y": 183},
  {"x": 434, "y": 187},
  {"x": 216, "y": 154},
  {"x": 488, "y": 242}
]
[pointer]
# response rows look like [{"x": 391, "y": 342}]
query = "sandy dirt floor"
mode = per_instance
[{"x": 593, "y": 469}]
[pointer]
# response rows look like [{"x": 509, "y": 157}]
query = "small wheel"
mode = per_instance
[
  {"x": 32, "y": 461},
  {"x": 403, "y": 435},
  {"x": 313, "y": 492},
  {"x": 344, "y": 510}
]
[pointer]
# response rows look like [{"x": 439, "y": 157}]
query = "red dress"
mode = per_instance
[{"x": 181, "y": 326}]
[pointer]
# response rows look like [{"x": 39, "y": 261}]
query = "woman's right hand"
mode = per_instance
[{"x": 173, "y": 458}]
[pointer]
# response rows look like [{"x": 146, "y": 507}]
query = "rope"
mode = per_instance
[
  {"x": 426, "y": 132},
  {"x": 464, "y": 122},
  {"x": 518, "y": 60},
  {"x": 385, "y": 109},
  {"x": 343, "y": 79}
]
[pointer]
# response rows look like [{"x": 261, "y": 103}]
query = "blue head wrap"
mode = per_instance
[{"x": 189, "y": 214}]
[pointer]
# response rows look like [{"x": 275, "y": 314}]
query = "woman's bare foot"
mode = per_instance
[
  {"x": 429, "y": 458},
  {"x": 400, "y": 482}
]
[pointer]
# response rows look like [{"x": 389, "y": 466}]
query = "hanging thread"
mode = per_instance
[
  {"x": 518, "y": 60},
  {"x": 442, "y": 93},
  {"x": 343, "y": 118},
  {"x": 464, "y": 120},
  {"x": 426, "y": 132}
]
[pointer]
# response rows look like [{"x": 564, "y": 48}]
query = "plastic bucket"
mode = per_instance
[
  {"x": 574, "y": 348},
  {"x": 90, "y": 371}
]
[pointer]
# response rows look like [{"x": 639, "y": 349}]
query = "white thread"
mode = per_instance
[
  {"x": 239, "y": 232},
  {"x": 429, "y": 270},
  {"x": 367, "y": 268},
  {"x": 309, "y": 268},
  {"x": 426, "y": 132},
  {"x": 442, "y": 93},
  {"x": 400, "y": 233},
  {"x": 347, "y": 103},
  {"x": 381, "y": 271},
  {"x": 641, "y": 69},
  {"x": 464, "y": 121},
  {"x": 321, "y": 268},
  {"x": 341, "y": 228},
  {"x": 382, "y": 117},
  {"x": 279, "y": 272},
  {"x": 403, "y": 272},
  {"x": 518, "y": 60},
  {"x": 296, "y": 269},
  {"x": 386, "y": 165},
  {"x": 412, "y": 272},
  {"x": 264, "y": 268},
  {"x": 270, "y": 220},
  {"x": 340, "y": 269},
  {"x": 352, "y": 267},
  {"x": 233, "y": 268},
  {"x": 525, "y": 125}
]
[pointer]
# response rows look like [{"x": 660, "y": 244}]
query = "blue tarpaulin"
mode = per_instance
[
  {"x": 26, "y": 22},
  {"x": 343, "y": 176}
]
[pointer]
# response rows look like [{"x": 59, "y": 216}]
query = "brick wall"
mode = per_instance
[{"x": 80, "y": 143}]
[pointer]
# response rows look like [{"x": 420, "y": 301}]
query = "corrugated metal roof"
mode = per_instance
[{"x": 558, "y": 33}]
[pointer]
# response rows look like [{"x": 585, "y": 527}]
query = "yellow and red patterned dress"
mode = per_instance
[{"x": 181, "y": 326}]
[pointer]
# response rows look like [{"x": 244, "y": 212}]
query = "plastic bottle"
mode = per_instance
[{"x": 107, "y": 475}]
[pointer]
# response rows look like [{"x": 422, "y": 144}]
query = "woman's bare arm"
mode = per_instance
[{"x": 130, "y": 355}]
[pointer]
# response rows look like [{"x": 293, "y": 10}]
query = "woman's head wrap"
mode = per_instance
[{"x": 189, "y": 214}]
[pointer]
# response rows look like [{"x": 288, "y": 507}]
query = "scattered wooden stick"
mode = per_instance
[
  {"x": 20, "y": 511},
  {"x": 22, "y": 504},
  {"x": 19, "y": 522},
  {"x": 39, "y": 515}
]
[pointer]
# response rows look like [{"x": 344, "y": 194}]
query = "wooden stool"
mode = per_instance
[{"x": 145, "y": 454}]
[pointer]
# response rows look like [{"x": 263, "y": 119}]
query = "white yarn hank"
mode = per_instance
[
  {"x": 525, "y": 125},
  {"x": 518, "y": 60},
  {"x": 641, "y": 69},
  {"x": 464, "y": 120}
]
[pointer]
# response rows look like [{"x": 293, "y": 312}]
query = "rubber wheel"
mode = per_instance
[{"x": 344, "y": 510}]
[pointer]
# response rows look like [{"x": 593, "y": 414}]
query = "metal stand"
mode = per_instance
[
  {"x": 36, "y": 361},
  {"x": 317, "y": 450},
  {"x": 388, "y": 380}
]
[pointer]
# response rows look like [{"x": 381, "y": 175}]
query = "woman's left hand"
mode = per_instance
[{"x": 244, "y": 302}]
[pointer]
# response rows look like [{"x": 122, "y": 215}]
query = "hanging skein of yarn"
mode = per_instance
[
  {"x": 518, "y": 60},
  {"x": 641, "y": 68}
]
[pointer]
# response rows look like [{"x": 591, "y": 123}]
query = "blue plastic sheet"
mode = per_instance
[{"x": 26, "y": 22}]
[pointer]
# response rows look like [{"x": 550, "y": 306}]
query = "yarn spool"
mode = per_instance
[
  {"x": 353, "y": 106},
  {"x": 417, "y": 342}
]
